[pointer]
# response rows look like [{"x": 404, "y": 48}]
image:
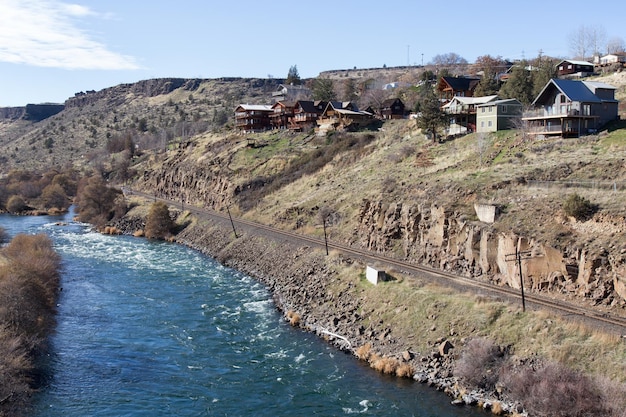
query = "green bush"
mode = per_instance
[{"x": 579, "y": 207}]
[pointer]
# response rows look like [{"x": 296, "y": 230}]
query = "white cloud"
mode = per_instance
[{"x": 42, "y": 33}]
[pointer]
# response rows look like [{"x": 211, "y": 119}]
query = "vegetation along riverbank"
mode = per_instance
[{"x": 29, "y": 286}]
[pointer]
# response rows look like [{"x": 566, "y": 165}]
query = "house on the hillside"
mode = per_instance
[
  {"x": 462, "y": 111},
  {"x": 498, "y": 115},
  {"x": 618, "y": 58},
  {"x": 392, "y": 108},
  {"x": 574, "y": 69},
  {"x": 306, "y": 113},
  {"x": 250, "y": 118},
  {"x": 570, "y": 108},
  {"x": 281, "y": 115},
  {"x": 450, "y": 87},
  {"x": 342, "y": 116},
  {"x": 289, "y": 92}
]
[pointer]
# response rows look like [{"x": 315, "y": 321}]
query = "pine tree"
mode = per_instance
[
  {"x": 293, "y": 77},
  {"x": 519, "y": 85},
  {"x": 431, "y": 119}
]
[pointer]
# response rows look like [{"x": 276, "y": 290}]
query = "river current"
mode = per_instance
[{"x": 156, "y": 329}]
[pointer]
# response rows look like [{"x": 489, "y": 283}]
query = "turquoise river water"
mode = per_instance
[{"x": 156, "y": 329}]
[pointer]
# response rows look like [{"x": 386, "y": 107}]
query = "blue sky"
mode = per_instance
[{"x": 51, "y": 49}]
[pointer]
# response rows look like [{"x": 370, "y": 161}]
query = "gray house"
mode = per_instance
[
  {"x": 570, "y": 108},
  {"x": 498, "y": 115}
]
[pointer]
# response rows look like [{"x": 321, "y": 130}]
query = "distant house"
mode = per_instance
[
  {"x": 392, "y": 108},
  {"x": 450, "y": 87},
  {"x": 569, "y": 108},
  {"x": 250, "y": 118},
  {"x": 462, "y": 111},
  {"x": 498, "y": 115},
  {"x": 281, "y": 115},
  {"x": 611, "y": 59},
  {"x": 342, "y": 116},
  {"x": 571, "y": 69},
  {"x": 288, "y": 92},
  {"x": 306, "y": 113}
]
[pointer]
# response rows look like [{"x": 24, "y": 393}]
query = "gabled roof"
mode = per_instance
[
  {"x": 469, "y": 100},
  {"x": 503, "y": 101},
  {"x": 574, "y": 90},
  {"x": 255, "y": 107},
  {"x": 390, "y": 102},
  {"x": 309, "y": 106},
  {"x": 461, "y": 83},
  {"x": 286, "y": 104},
  {"x": 575, "y": 62}
]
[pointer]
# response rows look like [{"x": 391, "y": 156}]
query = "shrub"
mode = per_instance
[
  {"x": 553, "y": 390},
  {"x": 53, "y": 196},
  {"x": 16, "y": 204},
  {"x": 480, "y": 363},
  {"x": 159, "y": 224},
  {"x": 579, "y": 207},
  {"x": 98, "y": 203}
]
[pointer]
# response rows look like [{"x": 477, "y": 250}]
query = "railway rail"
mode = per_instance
[{"x": 597, "y": 319}]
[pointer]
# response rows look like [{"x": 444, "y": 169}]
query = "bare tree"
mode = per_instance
[
  {"x": 586, "y": 41},
  {"x": 615, "y": 45}
]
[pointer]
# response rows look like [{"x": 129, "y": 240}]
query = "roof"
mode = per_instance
[
  {"x": 573, "y": 89},
  {"x": 312, "y": 106},
  {"x": 461, "y": 83},
  {"x": 594, "y": 85},
  {"x": 503, "y": 101},
  {"x": 470, "y": 100},
  {"x": 255, "y": 107},
  {"x": 575, "y": 62}
]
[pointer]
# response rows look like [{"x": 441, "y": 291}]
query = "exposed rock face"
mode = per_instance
[
  {"x": 433, "y": 236},
  {"x": 12, "y": 113}
]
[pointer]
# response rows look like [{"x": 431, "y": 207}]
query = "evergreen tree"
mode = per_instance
[
  {"x": 519, "y": 85},
  {"x": 431, "y": 119},
  {"x": 544, "y": 72},
  {"x": 293, "y": 77},
  {"x": 323, "y": 89}
]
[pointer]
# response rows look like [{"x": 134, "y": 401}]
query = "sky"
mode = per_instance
[{"x": 52, "y": 49}]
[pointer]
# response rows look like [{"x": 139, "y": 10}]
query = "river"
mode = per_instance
[{"x": 156, "y": 329}]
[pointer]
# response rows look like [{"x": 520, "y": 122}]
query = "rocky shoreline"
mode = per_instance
[{"x": 308, "y": 291}]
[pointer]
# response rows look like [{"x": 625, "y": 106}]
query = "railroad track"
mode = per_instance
[{"x": 606, "y": 321}]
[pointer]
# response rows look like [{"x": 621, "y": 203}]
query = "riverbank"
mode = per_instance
[{"x": 329, "y": 296}]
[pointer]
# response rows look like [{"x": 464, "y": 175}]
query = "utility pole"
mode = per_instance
[
  {"x": 517, "y": 257},
  {"x": 325, "y": 236},
  {"x": 231, "y": 221}
]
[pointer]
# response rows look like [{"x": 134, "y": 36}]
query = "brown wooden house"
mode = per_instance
[
  {"x": 343, "y": 115},
  {"x": 572, "y": 68},
  {"x": 250, "y": 118},
  {"x": 282, "y": 113},
  {"x": 392, "y": 108},
  {"x": 449, "y": 87},
  {"x": 306, "y": 113}
]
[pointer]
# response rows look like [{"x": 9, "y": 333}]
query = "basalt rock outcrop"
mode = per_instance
[{"x": 429, "y": 234}]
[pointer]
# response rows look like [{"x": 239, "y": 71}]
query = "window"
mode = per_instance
[
  {"x": 504, "y": 108},
  {"x": 569, "y": 66},
  {"x": 482, "y": 109},
  {"x": 482, "y": 124},
  {"x": 489, "y": 123}
]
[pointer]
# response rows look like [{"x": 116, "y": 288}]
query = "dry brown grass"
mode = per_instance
[{"x": 294, "y": 318}]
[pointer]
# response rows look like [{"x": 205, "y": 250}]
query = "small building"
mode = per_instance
[
  {"x": 574, "y": 69},
  {"x": 392, "y": 108},
  {"x": 609, "y": 59},
  {"x": 498, "y": 115},
  {"x": 289, "y": 92},
  {"x": 251, "y": 118},
  {"x": 569, "y": 108}
]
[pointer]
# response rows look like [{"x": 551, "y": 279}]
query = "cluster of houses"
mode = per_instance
[
  {"x": 565, "y": 107},
  {"x": 300, "y": 115}
]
